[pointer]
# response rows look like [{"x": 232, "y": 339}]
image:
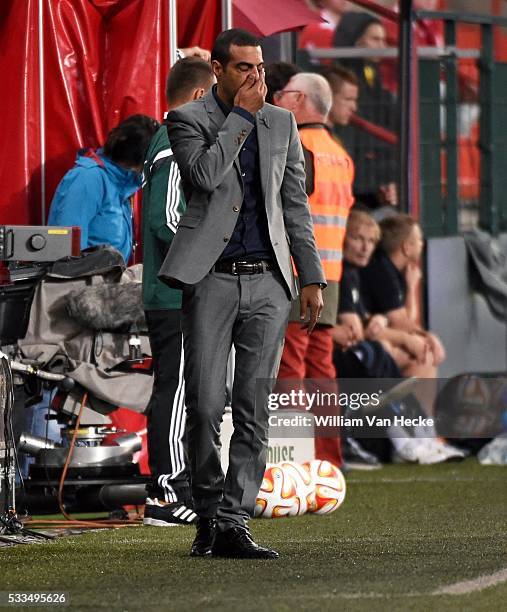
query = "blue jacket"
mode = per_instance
[{"x": 95, "y": 195}]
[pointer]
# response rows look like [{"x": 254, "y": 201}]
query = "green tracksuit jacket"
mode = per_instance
[{"x": 162, "y": 207}]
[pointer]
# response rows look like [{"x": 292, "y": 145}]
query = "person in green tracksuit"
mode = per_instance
[{"x": 168, "y": 499}]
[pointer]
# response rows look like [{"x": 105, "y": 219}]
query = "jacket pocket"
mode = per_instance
[{"x": 188, "y": 221}]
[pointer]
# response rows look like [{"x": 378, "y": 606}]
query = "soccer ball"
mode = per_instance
[
  {"x": 329, "y": 486},
  {"x": 277, "y": 495},
  {"x": 305, "y": 488}
]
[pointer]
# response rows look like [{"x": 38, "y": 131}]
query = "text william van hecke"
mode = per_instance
[{"x": 335, "y": 420}]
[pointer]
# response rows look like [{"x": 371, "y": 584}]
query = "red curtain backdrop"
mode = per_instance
[
  {"x": 19, "y": 126},
  {"x": 199, "y": 22},
  {"x": 103, "y": 60}
]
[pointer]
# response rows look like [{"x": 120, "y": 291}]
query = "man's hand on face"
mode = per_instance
[
  {"x": 311, "y": 297},
  {"x": 251, "y": 94}
]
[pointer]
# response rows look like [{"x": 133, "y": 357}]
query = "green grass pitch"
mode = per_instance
[{"x": 402, "y": 533}]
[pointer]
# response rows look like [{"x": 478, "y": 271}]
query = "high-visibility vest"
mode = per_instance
[{"x": 332, "y": 197}]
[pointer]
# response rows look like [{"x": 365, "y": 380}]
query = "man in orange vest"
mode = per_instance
[{"x": 329, "y": 178}]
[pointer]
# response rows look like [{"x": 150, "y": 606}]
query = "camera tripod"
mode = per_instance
[{"x": 11, "y": 527}]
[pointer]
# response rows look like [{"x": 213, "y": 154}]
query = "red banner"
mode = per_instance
[
  {"x": 20, "y": 135},
  {"x": 199, "y": 22},
  {"x": 101, "y": 61}
]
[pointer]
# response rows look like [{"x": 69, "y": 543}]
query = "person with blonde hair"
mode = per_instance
[
  {"x": 388, "y": 300},
  {"x": 378, "y": 334}
]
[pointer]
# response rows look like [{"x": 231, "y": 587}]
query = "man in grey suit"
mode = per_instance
[{"x": 242, "y": 172}]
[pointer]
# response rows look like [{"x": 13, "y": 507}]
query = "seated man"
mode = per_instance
[
  {"x": 387, "y": 350},
  {"x": 389, "y": 288},
  {"x": 95, "y": 194}
]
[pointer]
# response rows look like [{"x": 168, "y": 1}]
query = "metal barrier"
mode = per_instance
[
  {"x": 463, "y": 142},
  {"x": 460, "y": 142}
]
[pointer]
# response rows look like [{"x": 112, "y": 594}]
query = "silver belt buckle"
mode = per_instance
[{"x": 234, "y": 270}]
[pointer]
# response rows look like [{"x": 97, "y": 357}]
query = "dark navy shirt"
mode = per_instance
[
  {"x": 351, "y": 299},
  {"x": 250, "y": 239},
  {"x": 383, "y": 286}
]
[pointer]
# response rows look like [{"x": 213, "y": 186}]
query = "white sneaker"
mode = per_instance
[
  {"x": 430, "y": 455},
  {"x": 450, "y": 452},
  {"x": 408, "y": 453},
  {"x": 161, "y": 514}
]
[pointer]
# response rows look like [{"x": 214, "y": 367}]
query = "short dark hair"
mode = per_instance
[
  {"x": 221, "y": 51},
  {"x": 395, "y": 230},
  {"x": 186, "y": 75},
  {"x": 278, "y": 75},
  {"x": 337, "y": 75},
  {"x": 128, "y": 142}
]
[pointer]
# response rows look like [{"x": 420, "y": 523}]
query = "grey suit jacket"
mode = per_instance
[{"x": 206, "y": 146}]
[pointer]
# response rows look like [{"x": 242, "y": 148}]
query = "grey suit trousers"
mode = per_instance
[{"x": 251, "y": 313}]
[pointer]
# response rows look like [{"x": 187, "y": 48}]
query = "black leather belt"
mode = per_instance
[{"x": 243, "y": 267}]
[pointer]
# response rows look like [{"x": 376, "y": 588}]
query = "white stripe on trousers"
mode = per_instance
[
  {"x": 169, "y": 493},
  {"x": 176, "y": 432}
]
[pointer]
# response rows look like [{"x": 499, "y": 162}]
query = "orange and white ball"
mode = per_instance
[
  {"x": 277, "y": 495},
  {"x": 329, "y": 484},
  {"x": 305, "y": 488}
]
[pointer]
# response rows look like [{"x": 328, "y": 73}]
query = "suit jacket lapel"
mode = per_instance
[
  {"x": 215, "y": 113},
  {"x": 262, "y": 124},
  {"x": 217, "y": 118}
]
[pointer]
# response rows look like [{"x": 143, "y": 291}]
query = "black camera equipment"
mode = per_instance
[
  {"x": 29, "y": 250},
  {"x": 96, "y": 462}
]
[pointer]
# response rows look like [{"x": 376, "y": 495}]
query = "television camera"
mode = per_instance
[{"x": 45, "y": 264}]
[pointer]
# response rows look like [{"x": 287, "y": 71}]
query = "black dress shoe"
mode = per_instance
[
  {"x": 201, "y": 546},
  {"x": 237, "y": 543}
]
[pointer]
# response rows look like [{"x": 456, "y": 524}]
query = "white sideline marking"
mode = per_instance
[
  {"x": 479, "y": 584},
  {"x": 459, "y": 588},
  {"x": 409, "y": 480},
  {"x": 470, "y": 586},
  {"x": 302, "y": 596}
]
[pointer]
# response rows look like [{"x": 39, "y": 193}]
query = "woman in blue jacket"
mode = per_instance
[{"x": 95, "y": 194}]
